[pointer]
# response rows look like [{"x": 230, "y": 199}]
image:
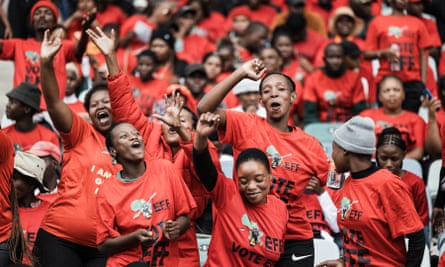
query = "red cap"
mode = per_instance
[
  {"x": 48, "y": 4},
  {"x": 240, "y": 11},
  {"x": 44, "y": 149}
]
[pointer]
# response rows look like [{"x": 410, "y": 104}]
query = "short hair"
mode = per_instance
[
  {"x": 111, "y": 26},
  {"x": 148, "y": 53},
  {"x": 108, "y": 138},
  {"x": 296, "y": 23},
  {"x": 278, "y": 32},
  {"x": 333, "y": 44},
  {"x": 253, "y": 154},
  {"x": 254, "y": 27},
  {"x": 287, "y": 78},
  {"x": 210, "y": 54},
  {"x": 96, "y": 87}
]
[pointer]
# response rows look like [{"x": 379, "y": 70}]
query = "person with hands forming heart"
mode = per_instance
[
  {"x": 296, "y": 156},
  {"x": 255, "y": 220}
]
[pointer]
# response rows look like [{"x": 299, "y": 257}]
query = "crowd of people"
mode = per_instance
[{"x": 122, "y": 112}]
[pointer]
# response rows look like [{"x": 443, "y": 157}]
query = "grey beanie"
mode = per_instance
[
  {"x": 356, "y": 135},
  {"x": 28, "y": 94}
]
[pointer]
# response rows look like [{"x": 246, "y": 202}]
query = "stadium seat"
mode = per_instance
[
  {"x": 324, "y": 132},
  {"x": 434, "y": 178},
  {"x": 325, "y": 249},
  {"x": 203, "y": 247}
]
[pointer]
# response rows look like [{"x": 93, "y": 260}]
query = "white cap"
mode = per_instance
[
  {"x": 246, "y": 86},
  {"x": 29, "y": 165}
]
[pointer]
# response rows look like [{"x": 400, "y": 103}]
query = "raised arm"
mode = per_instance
[
  {"x": 81, "y": 45},
  {"x": 60, "y": 113},
  {"x": 106, "y": 46},
  {"x": 204, "y": 166},
  {"x": 253, "y": 69}
]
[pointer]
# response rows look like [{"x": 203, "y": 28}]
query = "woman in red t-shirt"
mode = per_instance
[
  {"x": 391, "y": 150},
  {"x": 69, "y": 225},
  {"x": 251, "y": 224},
  {"x": 410, "y": 124},
  {"x": 144, "y": 208},
  {"x": 296, "y": 156}
]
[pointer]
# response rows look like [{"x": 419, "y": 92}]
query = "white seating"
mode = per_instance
[
  {"x": 325, "y": 249},
  {"x": 203, "y": 247},
  {"x": 413, "y": 166},
  {"x": 324, "y": 132},
  {"x": 227, "y": 166},
  {"x": 434, "y": 178}
]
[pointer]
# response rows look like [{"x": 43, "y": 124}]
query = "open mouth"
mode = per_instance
[
  {"x": 136, "y": 144},
  {"x": 102, "y": 116},
  {"x": 171, "y": 131},
  {"x": 275, "y": 106}
]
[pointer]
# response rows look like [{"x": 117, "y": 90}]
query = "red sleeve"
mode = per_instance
[
  {"x": 442, "y": 63},
  {"x": 419, "y": 132},
  {"x": 105, "y": 219},
  {"x": 401, "y": 214},
  {"x": 68, "y": 51},
  {"x": 124, "y": 106},
  {"x": 358, "y": 95},
  {"x": 6, "y": 166},
  {"x": 79, "y": 130},
  {"x": 424, "y": 40},
  {"x": 420, "y": 200},
  {"x": 8, "y": 48},
  {"x": 309, "y": 92},
  {"x": 239, "y": 126},
  {"x": 372, "y": 40}
]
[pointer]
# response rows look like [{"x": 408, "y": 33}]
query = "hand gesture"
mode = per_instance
[
  {"x": 207, "y": 124},
  {"x": 171, "y": 229},
  {"x": 50, "y": 46},
  {"x": 102, "y": 41},
  {"x": 172, "y": 111},
  {"x": 254, "y": 69},
  {"x": 144, "y": 236},
  {"x": 8, "y": 32},
  {"x": 314, "y": 185},
  {"x": 433, "y": 105}
]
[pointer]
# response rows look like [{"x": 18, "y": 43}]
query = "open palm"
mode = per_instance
[
  {"x": 51, "y": 45},
  {"x": 172, "y": 111},
  {"x": 102, "y": 41}
]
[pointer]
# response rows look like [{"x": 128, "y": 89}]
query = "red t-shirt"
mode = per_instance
[
  {"x": 334, "y": 97},
  {"x": 146, "y": 93},
  {"x": 441, "y": 124},
  {"x": 111, "y": 14},
  {"x": 264, "y": 14},
  {"x": 314, "y": 213},
  {"x": 442, "y": 63},
  {"x": 26, "y": 56},
  {"x": 245, "y": 234},
  {"x": 147, "y": 202},
  {"x": 294, "y": 70},
  {"x": 409, "y": 33},
  {"x": 189, "y": 52},
  {"x": 25, "y": 140},
  {"x": 125, "y": 109},
  {"x": 126, "y": 60},
  {"x": 309, "y": 47},
  {"x": 137, "y": 21},
  {"x": 213, "y": 26},
  {"x": 374, "y": 215},
  {"x": 411, "y": 126},
  {"x": 416, "y": 187},
  {"x": 295, "y": 157},
  {"x": 6, "y": 169},
  {"x": 30, "y": 218},
  {"x": 86, "y": 165}
]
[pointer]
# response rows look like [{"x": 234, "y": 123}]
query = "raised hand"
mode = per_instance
[
  {"x": 88, "y": 19},
  {"x": 102, "y": 41},
  {"x": 50, "y": 46},
  {"x": 254, "y": 69},
  {"x": 207, "y": 124},
  {"x": 172, "y": 111}
]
